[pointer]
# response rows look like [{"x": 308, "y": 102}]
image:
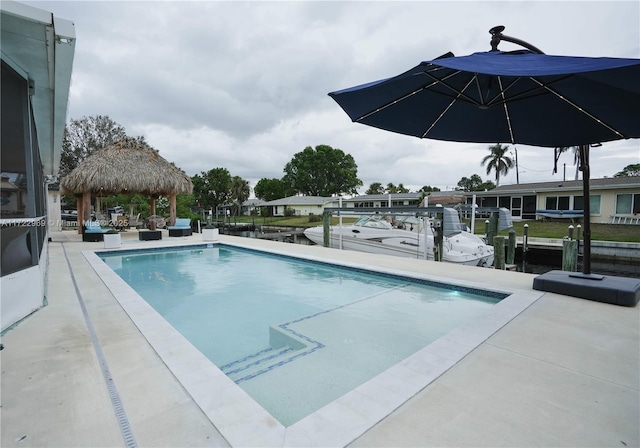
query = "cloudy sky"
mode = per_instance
[{"x": 243, "y": 85}]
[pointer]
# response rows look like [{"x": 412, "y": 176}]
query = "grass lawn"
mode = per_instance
[
  {"x": 550, "y": 229},
  {"x": 537, "y": 229}
]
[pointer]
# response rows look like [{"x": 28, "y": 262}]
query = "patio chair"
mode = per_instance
[
  {"x": 101, "y": 218},
  {"x": 135, "y": 221},
  {"x": 182, "y": 227}
]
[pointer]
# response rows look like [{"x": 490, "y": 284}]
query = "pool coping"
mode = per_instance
[{"x": 243, "y": 422}]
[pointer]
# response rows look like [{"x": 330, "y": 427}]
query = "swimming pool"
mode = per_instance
[
  {"x": 294, "y": 334},
  {"x": 243, "y": 422}
]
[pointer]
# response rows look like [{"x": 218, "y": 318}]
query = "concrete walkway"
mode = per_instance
[{"x": 565, "y": 372}]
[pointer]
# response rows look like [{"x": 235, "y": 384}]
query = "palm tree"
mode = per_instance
[
  {"x": 240, "y": 191},
  {"x": 576, "y": 157},
  {"x": 498, "y": 161},
  {"x": 375, "y": 188},
  {"x": 391, "y": 188}
]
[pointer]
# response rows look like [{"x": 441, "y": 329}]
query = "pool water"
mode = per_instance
[{"x": 294, "y": 334}]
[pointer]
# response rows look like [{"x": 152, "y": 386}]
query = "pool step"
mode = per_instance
[
  {"x": 258, "y": 363},
  {"x": 285, "y": 345}
]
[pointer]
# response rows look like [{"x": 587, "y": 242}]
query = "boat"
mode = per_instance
[
  {"x": 407, "y": 236},
  {"x": 560, "y": 214}
]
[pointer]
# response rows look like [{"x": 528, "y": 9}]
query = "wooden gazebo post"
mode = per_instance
[
  {"x": 79, "y": 212},
  {"x": 172, "y": 209},
  {"x": 86, "y": 208}
]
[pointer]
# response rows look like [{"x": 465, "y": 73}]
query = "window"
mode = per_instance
[
  {"x": 489, "y": 201},
  {"x": 552, "y": 203},
  {"x": 563, "y": 203},
  {"x": 504, "y": 201},
  {"x": 557, "y": 203},
  {"x": 578, "y": 203},
  {"x": 627, "y": 203},
  {"x": 594, "y": 202}
]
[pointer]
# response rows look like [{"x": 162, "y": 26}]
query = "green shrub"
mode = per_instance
[{"x": 315, "y": 218}]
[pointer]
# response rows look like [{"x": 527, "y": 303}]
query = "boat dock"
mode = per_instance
[{"x": 602, "y": 250}]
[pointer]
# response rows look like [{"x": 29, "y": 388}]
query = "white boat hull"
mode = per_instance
[{"x": 404, "y": 243}]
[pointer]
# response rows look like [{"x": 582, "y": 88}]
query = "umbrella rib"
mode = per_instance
[
  {"x": 459, "y": 93},
  {"x": 506, "y": 109},
  {"x": 391, "y": 103},
  {"x": 404, "y": 97},
  {"x": 568, "y": 101},
  {"x": 448, "y": 107}
]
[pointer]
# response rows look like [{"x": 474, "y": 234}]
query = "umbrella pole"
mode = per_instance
[{"x": 586, "y": 231}]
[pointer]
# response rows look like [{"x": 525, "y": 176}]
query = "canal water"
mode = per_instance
[{"x": 537, "y": 261}]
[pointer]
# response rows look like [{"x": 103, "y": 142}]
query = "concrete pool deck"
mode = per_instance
[{"x": 563, "y": 372}]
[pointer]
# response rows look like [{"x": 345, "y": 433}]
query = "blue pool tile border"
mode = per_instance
[{"x": 466, "y": 289}]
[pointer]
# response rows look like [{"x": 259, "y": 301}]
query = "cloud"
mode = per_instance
[{"x": 243, "y": 85}]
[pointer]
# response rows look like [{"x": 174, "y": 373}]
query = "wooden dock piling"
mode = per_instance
[{"x": 498, "y": 252}]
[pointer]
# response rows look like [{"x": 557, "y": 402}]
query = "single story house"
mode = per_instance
[
  {"x": 613, "y": 199},
  {"x": 301, "y": 205},
  {"x": 251, "y": 206},
  {"x": 403, "y": 199}
]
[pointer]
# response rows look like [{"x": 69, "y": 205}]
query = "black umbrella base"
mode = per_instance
[{"x": 600, "y": 288}]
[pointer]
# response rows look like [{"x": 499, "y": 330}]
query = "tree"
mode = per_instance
[
  {"x": 240, "y": 191},
  {"x": 393, "y": 189},
  {"x": 323, "y": 171},
  {"x": 629, "y": 171},
  {"x": 474, "y": 183},
  {"x": 576, "y": 157},
  {"x": 375, "y": 188},
  {"x": 428, "y": 189},
  {"x": 212, "y": 188},
  {"x": 272, "y": 189},
  {"x": 183, "y": 205},
  {"x": 86, "y": 135},
  {"x": 498, "y": 161}
]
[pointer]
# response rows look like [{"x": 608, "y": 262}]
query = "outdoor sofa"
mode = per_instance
[
  {"x": 93, "y": 232},
  {"x": 182, "y": 227}
]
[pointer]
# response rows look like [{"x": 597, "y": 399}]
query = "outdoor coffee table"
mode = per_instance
[{"x": 148, "y": 235}]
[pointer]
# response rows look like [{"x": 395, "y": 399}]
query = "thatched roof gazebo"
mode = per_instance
[{"x": 125, "y": 167}]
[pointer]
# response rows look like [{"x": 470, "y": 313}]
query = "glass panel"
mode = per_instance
[
  {"x": 516, "y": 202},
  {"x": 552, "y": 203},
  {"x": 15, "y": 198},
  {"x": 636, "y": 204},
  {"x": 594, "y": 201},
  {"x": 623, "y": 203},
  {"x": 529, "y": 207},
  {"x": 578, "y": 203},
  {"x": 563, "y": 203},
  {"x": 491, "y": 201},
  {"x": 504, "y": 201},
  {"x": 22, "y": 191}
]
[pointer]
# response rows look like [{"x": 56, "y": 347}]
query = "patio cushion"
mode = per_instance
[
  {"x": 181, "y": 223},
  {"x": 94, "y": 227}
]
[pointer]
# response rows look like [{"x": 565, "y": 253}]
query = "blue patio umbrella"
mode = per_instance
[{"x": 518, "y": 97}]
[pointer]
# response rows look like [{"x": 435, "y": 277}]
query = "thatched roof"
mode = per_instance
[{"x": 127, "y": 166}]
